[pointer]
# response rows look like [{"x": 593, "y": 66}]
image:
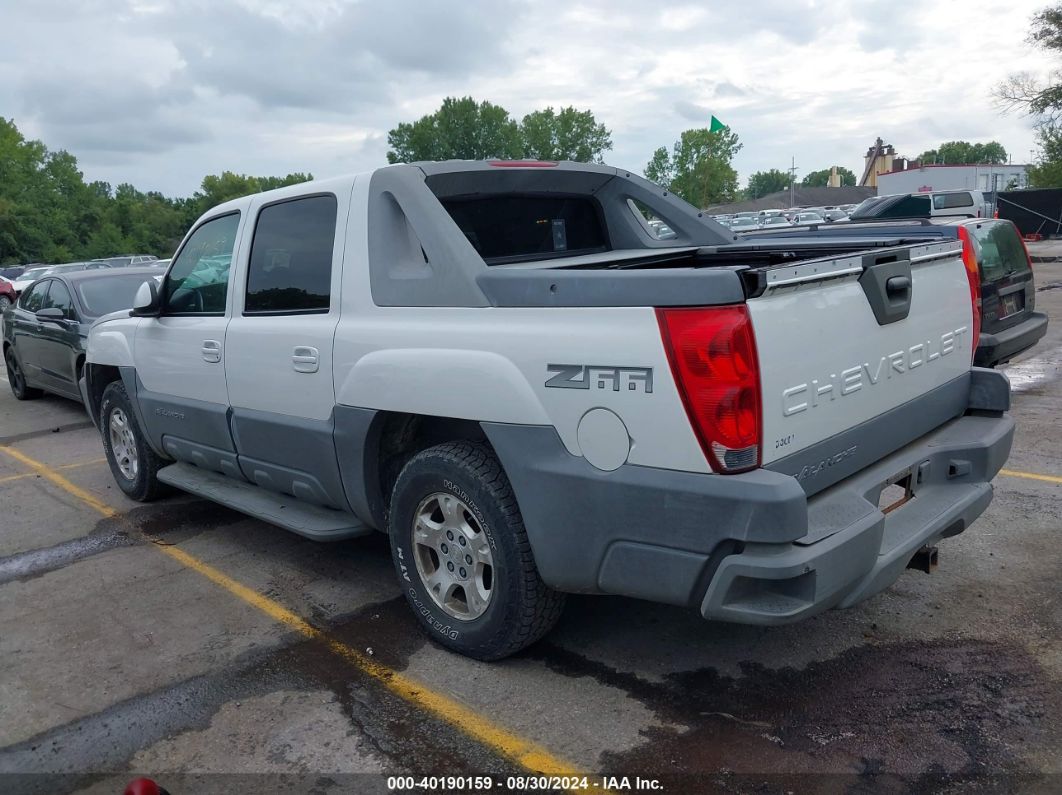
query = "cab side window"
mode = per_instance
[
  {"x": 33, "y": 298},
  {"x": 198, "y": 280},
  {"x": 290, "y": 271},
  {"x": 59, "y": 298}
]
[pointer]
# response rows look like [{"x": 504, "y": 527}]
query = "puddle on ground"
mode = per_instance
[
  {"x": 899, "y": 717},
  {"x": 1031, "y": 373}
]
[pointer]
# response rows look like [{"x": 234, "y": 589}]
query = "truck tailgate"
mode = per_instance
[{"x": 859, "y": 356}]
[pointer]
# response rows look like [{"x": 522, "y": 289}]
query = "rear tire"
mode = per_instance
[
  {"x": 5, "y": 302},
  {"x": 133, "y": 463},
  {"x": 16, "y": 377},
  {"x": 462, "y": 554}
]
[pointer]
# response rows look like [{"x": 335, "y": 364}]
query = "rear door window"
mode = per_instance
[
  {"x": 291, "y": 257},
  {"x": 1000, "y": 250}
]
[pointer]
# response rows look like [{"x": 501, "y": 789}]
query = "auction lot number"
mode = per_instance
[{"x": 484, "y": 783}]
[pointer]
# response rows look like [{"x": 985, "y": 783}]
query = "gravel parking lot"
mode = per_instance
[{"x": 217, "y": 653}]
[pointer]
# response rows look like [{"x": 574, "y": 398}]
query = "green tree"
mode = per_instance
[
  {"x": 698, "y": 169},
  {"x": 964, "y": 153},
  {"x": 48, "y": 213},
  {"x": 569, "y": 134},
  {"x": 1047, "y": 171},
  {"x": 821, "y": 178},
  {"x": 763, "y": 182},
  {"x": 460, "y": 129},
  {"x": 219, "y": 188},
  {"x": 1028, "y": 93}
]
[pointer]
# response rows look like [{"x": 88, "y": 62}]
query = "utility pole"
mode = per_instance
[{"x": 792, "y": 184}]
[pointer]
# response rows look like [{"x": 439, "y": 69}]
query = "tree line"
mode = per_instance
[{"x": 49, "y": 213}]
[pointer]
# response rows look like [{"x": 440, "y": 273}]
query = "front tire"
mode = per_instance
[
  {"x": 16, "y": 378},
  {"x": 133, "y": 463},
  {"x": 462, "y": 554}
]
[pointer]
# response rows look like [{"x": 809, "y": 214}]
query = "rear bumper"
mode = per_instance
[
  {"x": 750, "y": 548},
  {"x": 860, "y": 550},
  {"x": 997, "y": 348}
]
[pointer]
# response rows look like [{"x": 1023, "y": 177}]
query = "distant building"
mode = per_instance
[
  {"x": 879, "y": 159},
  {"x": 912, "y": 177}
]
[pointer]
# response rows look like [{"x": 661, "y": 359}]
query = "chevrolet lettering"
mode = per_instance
[{"x": 800, "y": 398}]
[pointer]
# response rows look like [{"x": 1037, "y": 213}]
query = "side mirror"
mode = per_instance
[
  {"x": 147, "y": 302},
  {"x": 51, "y": 315}
]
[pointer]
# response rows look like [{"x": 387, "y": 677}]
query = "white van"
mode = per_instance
[{"x": 931, "y": 204}]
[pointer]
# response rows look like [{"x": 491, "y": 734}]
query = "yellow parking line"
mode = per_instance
[
  {"x": 63, "y": 468},
  {"x": 1016, "y": 473},
  {"x": 524, "y": 752}
]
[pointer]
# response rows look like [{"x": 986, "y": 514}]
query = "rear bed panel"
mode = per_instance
[{"x": 827, "y": 365}]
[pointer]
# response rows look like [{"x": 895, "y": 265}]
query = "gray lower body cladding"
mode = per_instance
[{"x": 750, "y": 548}]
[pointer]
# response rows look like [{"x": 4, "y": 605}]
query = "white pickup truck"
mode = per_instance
[{"x": 505, "y": 368}]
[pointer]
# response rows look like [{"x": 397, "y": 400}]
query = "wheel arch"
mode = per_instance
[{"x": 373, "y": 446}]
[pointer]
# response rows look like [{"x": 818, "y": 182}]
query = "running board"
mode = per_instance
[{"x": 306, "y": 519}]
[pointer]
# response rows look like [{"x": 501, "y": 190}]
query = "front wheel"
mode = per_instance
[
  {"x": 462, "y": 554},
  {"x": 133, "y": 463}
]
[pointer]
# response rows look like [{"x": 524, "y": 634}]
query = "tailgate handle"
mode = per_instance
[
  {"x": 898, "y": 284},
  {"x": 888, "y": 287}
]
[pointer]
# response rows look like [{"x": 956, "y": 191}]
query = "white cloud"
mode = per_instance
[{"x": 161, "y": 92}]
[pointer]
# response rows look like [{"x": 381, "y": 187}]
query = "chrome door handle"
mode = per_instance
[
  {"x": 305, "y": 359},
  {"x": 211, "y": 351}
]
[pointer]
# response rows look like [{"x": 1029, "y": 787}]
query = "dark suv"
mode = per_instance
[{"x": 1010, "y": 323}]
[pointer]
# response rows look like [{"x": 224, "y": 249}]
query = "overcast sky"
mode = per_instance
[{"x": 161, "y": 92}]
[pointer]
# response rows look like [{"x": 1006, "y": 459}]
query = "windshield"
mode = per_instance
[
  {"x": 101, "y": 296},
  {"x": 33, "y": 274}
]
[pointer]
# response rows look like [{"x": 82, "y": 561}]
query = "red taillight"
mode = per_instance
[
  {"x": 1025, "y": 247},
  {"x": 973, "y": 276},
  {"x": 712, "y": 352}
]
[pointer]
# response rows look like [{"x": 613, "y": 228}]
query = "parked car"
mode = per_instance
[
  {"x": 8, "y": 295},
  {"x": 741, "y": 224},
  {"x": 494, "y": 363},
  {"x": 44, "y": 333},
  {"x": 1007, "y": 320},
  {"x": 66, "y": 267},
  {"x": 776, "y": 221},
  {"x": 29, "y": 276},
  {"x": 13, "y": 272},
  {"x": 808, "y": 218},
  {"x": 159, "y": 263},
  {"x": 834, "y": 215},
  {"x": 128, "y": 260}
]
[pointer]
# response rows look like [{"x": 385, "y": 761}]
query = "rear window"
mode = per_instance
[
  {"x": 108, "y": 294},
  {"x": 518, "y": 228},
  {"x": 1000, "y": 250},
  {"x": 945, "y": 201}
]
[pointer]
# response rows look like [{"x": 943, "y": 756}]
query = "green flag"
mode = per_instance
[{"x": 716, "y": 126}]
